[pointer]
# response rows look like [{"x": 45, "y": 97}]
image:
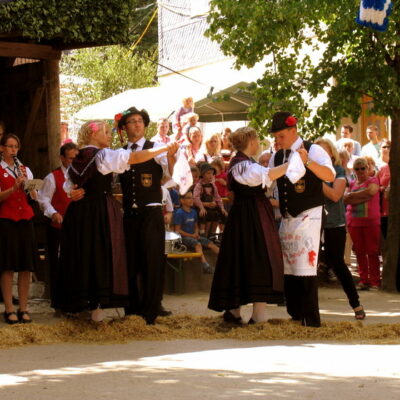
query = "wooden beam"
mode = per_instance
[
  {"x": 52, "y": 74},
  {"x": 28, "y": 50}
]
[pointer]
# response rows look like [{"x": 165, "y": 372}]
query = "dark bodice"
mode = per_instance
[
  {"x": 98, "y": 185},
  {"x": 245, "y": 192}
]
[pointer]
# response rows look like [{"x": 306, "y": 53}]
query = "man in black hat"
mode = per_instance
[
  {"x": 301, "y": 206},
  {"x": 143, "y": 219}
]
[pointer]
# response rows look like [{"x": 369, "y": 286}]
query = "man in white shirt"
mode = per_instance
[
  {"x": 162, "y": 132},
  {"x": 53, "y": 202},
  {"x": 143, "y": 220},
  {"x": 373, "y": 147},
  {"x": 346, "y": 134},
  {"x": 301, "y": 205}
]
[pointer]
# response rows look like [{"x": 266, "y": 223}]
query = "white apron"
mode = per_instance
[{"x": 300, "y": 237}]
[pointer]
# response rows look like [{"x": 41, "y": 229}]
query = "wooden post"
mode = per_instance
[{"x": 52, "y": 81}]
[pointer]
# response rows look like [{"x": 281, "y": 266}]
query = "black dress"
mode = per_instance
[
  {"x": 92, "y": 258},
  {"x": 249, "y": 267}
]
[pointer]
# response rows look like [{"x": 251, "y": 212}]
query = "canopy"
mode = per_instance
[
  {"x": 230, "y": 104},
  {"x": 155, "y": 100}
]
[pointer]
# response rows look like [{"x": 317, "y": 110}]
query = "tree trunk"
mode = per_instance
[{"x": 391, "y": 268}]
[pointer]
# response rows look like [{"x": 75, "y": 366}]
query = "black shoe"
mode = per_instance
[
  {"x": 231, "y": 319},
  {"x": 21, "y": 318},
  {"x": 7, "y": 319},
  {"x": 162, "y": 312}
]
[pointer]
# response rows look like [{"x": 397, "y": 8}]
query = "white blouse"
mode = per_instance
[{"x": 251, "y": 174}]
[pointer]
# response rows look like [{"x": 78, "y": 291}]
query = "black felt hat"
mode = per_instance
[
  {"x": 206, "y": 167},
  {"x": 282, "y": 120},
  {"x": 132, "y": 111}
]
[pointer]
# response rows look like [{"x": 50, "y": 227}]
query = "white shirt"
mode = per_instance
[
  {"x": 251, "y": 174},
  {"x": 371, "y": 150},
  {"x": 356, "y": 145},
  {"x": 107, "y": 161},
  {"x": 160, "y": 159},
  {"x": 315, "y": 153},
  {"x": 160, "y": 139},
  {"x": 46, "y": 193}
]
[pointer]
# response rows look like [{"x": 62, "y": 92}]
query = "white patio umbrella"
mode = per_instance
[{"x": 157, "y": 101}]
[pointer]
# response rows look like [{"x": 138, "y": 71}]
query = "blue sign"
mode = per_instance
[{"x": 374, "y": 14}]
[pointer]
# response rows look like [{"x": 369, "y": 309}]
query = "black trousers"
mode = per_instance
[
  {"x": 334, "y": 244},
  {"x": 301, "y": 293},
  {"x": 145, "y": 243},
  {"x": 53, "y": 248}
]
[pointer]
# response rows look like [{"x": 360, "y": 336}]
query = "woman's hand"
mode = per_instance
[
  {"x": 19, "y": 183},
  {"x": 202, "y": 212}
]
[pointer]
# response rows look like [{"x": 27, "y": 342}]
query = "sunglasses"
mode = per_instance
[{"x": 360, "y": 169}]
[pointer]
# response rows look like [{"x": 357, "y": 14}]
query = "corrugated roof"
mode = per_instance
[{"x": 182, "y": 43}]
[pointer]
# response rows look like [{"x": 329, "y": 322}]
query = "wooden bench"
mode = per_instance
[{"x": 175, "y": 262}]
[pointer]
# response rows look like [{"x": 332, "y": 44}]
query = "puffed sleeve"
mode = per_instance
[
  {"x": 251, "y": 174},
  {"x": 108, "y": 161}
]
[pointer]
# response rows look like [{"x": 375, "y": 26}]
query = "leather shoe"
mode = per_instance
[
  {"x": 162, "y": 312},
  {"x": 231, "y": 319}
]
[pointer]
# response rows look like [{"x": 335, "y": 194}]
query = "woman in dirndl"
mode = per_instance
[
  {"x": 93, "y": 272},
  {"x": 249, "y": 267}
]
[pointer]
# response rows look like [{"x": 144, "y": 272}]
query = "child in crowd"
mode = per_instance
[
  {"x": 185, "y": 221},
  {"x": 187, "y": 107},
  {"x": 195, "y": 175},
  {"x": 167, "y": 206},
  {"x": 209, "y": 202},
  {"x": 221, "y": 177}
]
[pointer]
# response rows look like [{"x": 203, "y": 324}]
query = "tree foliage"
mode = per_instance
[
  {"x": 354, "y": 60},
  {"x": 351, "y": 61},
  {"x": 98, "y": 22},
  {"x": 95, "y": 74}
]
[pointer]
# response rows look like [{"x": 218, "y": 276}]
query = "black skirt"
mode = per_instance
[
  {"x": 18, "y": 250},
  {"x": 86, "y": 272},
  {"x": 243, "y": 271}
]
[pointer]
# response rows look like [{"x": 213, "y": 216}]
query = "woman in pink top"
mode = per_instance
[{"x": 363, "y": 222}]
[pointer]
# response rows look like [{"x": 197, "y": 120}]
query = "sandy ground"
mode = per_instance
[{"x": 214, "y": 369}]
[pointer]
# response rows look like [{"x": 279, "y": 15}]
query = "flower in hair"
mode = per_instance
[
  {"x": 291, "y": 121},
  {"x": 94, "y": 127},
  {"x": 118, "y": 117},
  {"x": 126, "y": 112}
]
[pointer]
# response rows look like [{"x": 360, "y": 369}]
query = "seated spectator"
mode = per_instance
[
  {"x": 185, "y": 221},
  {"x": 209, "y": 202},
  {"x": 213, "y": 147},
  {"x": 363, "y": 221},
  {"x": 195, "y": 174}
]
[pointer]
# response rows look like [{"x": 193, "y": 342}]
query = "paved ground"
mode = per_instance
[{"x": 215, "y": 369}]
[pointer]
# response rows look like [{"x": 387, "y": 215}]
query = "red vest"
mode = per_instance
[
  {"x": 60, "y": 200},
  {"x": 16, "y": 206}
]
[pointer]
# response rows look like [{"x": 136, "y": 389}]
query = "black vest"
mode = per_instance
[
  {"x": 306, "y": 193},
  {"x": 141, "y": 185}
]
